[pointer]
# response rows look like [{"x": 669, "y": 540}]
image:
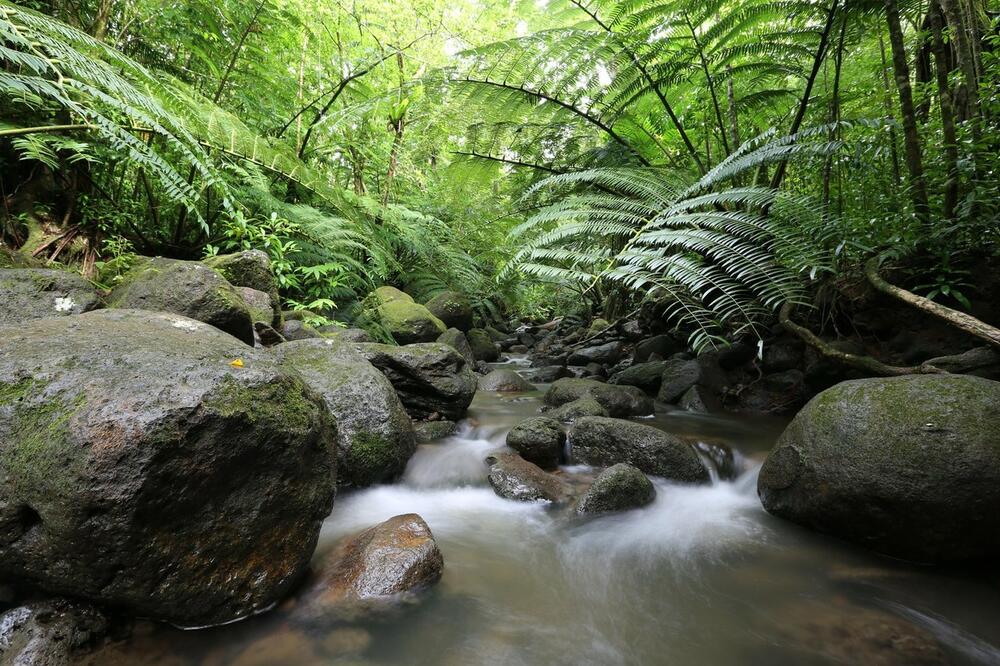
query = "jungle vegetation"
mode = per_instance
[{"x": 728, "y": 158}]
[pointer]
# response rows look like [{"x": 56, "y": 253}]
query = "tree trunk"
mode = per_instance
[
  {"x": 911, "y": 135},
  {"x": 947, "y": 112},
  {"x": 967, "y": 94},
  {"x": 894, "y": 145}
]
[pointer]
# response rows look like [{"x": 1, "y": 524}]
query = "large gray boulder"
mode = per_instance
[
  {"x": 455, "y": 339},
  {"x": 453, "y": 309},
  {"x": 37, "y": 293},
  {"x": 576, "y": 409},
  {"x": 153, "y": 463},
  {"x": 646, "y": 376},
  {"x": 599, "y": 441},
  {"x": 908, "y": 466},
  {"x": 677, "y": 377},
  {"x": 188, "y": 288},
  {"x": 514, "y": 478},
  {"x": 505, "y": 380},
  {"x": 618, "y": 400},
  {"x": 539, "y": 440},
  {"x": 483, "y": 346},
  {"x": 618, "y": 488},
  {"x": 408, "y": 322},
  {"x": 370, "y": 570},
  {"x": 429, "y": 378},
  {"x": 56, "y": 632},
  {"x": 375, "y": 437},
  {"x": 250, "y": 269},
  {"x": 606, "y": 354}
]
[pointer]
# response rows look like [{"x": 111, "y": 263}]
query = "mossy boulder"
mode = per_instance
[
  {"x": 539, "y": 440},
  {"x": 619, "y": 401},
  {"x": 296, "y": 329},
  {"x": 483, "y": 346},
  {"x": 514, "y": 478},
  {"x": 456, "y": 339},
  {"x": 409, "y": 322},
  {"x": 388, "y": 294},
  {"x": 907, "y": 466},
  {"x": 141, "y": 468},
  {"x": 36, "y": 293},
  {"x": 505, "y": 380},
  {"x": 430, "y": 379},
  {"x": 375, "y": 437},
  {"x": 618, "y": 488},
  {"x": 453, "y": 309},
  {"x": 260, "y": 305},
  {"x": 646, "y": 376},
  {"x": 599, "y": 441},
  {"x": 188, "y": 288},
  {"x": 251, "y": 269},
  {"x": 575, "y": 409}
]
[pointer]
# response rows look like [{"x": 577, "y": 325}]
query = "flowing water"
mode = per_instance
[{"x": 701, "y": 576}]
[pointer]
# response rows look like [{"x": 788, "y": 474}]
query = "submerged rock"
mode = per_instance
[
  {"x": 539, "y": 440},
  {"x": 505, "y": 381},
  {"x": 188, "y": 288},
  {"x": 908, "y": 466},
  {"x": 139, "y": 467},
  {"x": 453, "y": 309},
  {"x": 375, "y": 437},
  {"x": 483, "y": 346},
  {"x": 617, "y": 400},
  {"x": 604, "y": 442},
  {"x": 514, "y": 478},
  {"x": 50, "y": 633},
  {"x": 618, "y": 488},
  {"x": 429, "y": 378},
  {"x": 37, "y": 293},
  {"x": 394, "y": 558}
]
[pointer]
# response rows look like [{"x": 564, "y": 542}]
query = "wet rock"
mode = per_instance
[
  {"x": 632, "y": 330},
  {"x": 782, "y": 355},
  {"x": 455, "y": 339},
  {"x": 514, "y": 478},
  {"x": 695, "y": 399},
  {"x": 549, "y": 374},
  {"x": 188, "y": 288},
  {"x": 619, "y": 488},
  {"x": 617, "y": 400},
  {"x": 398, "y": 557},
  {"x": 375, "y": 437},
  {"x": 453, "y": 309},
  {"x": 429, "y": 378},
  {"x": 678, "y": 376},
  {"x": 646, "y": 376},
  {"x": 36, "y": 293},
  {"x": 603, "y": 442},
  {"x": 780, "y": 393},
  {"x": 663, "y": 345},
  {"x": 505, "y": 381},
  {"x": 595, "y": 371},
  {"x": 50, "y": 633},
  {"x": 496, "y": 335},
  {"x": 406, "y": 321},
  {"x": 250, "y": 269},
  {"x": 140, "y": 468},
  {"x": 908, "y": 466},
  {"x": 332, "y": 332},
  {"x": 722, "y": 458},
  {"x": 518, "y": 349},
  {"x": 295, "y": 329},
  {"x": 571, "y": 411},
  {"x": 266, "y": 336},
  {"x": 429, "y": 431},
  {"x": 607, "y": 354},
  {"x": 483, "y": 346},
  {"x": 539, "y": 440}
]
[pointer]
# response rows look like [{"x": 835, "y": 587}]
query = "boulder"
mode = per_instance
[
  {"x": 398, "y": 557},
  {"x": 429, "y": 378},
  {"x": 618, "y": 488},
  {"x": 496, "y": 335},
  {"x": 678, "y": 376},
  {"x": 260, "y": 306},
  {"x": 571, "y": 411},
  {"x": 188, "y": 288},
  {"x": 429, "y": 431},
  {"x": 333, "y": 332},
  {"x": 601, "y": 441},
  {"x": 250, "y": 269},
  {"x": 153, "y": 463},
  {"x": 504, "y": 380},
  {"x": 539, "y": 440},
  {"x": 483, "y": 346},
  {"x": 598, "y": 326},
  {"x": 387, "y": 294},
  {"x": 375, "y": 437},
  {"x": 457, "y": 341},
  {"x": 265, "y": 335},
  {"x": 664, "y": 345},
  {"x": 908, "y": 466},
  {"x": 409, "y": 322},
  {"x": 296, "y": 329},
  {"x": 56, "y": 632},
  {"x": 617, "y": 400},
  {"x": 549, "y": 374},
  {"x": 607, "y": 354},
  {"x": 722, "y": 458},
  {"x": 37, "y": 293},
  {"x": 696, "y": 399},
  {"x": 453, "y": 309},
  {"x": 646, "y": 376},
  {"x": 777, "y": 394},
  {"x": 514, "y": 478}
]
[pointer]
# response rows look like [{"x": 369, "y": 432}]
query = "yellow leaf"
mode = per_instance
[{"x": 238, "y": 363}]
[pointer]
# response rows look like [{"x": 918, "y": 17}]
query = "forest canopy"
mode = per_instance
[{"x": 723, "y": 161}]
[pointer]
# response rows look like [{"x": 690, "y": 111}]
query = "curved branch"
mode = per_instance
[{"x": 964, "y": 322}]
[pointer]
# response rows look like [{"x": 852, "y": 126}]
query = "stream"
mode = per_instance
[{"x": 701, "y": 576}]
